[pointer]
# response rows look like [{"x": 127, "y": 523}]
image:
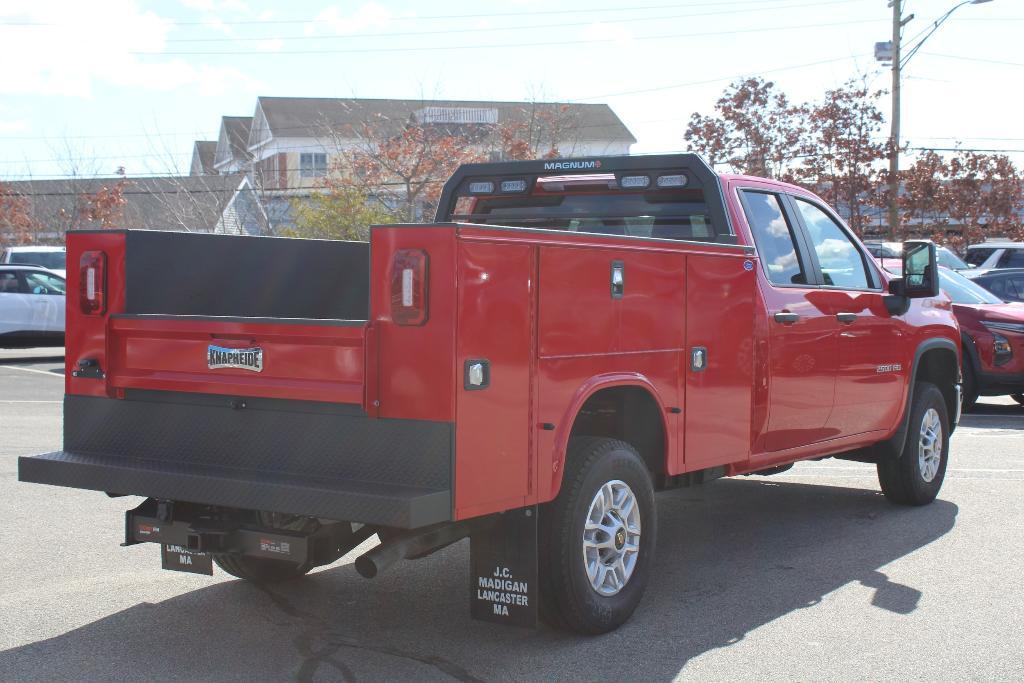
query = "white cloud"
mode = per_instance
[
  {"x": 75, "y": 46},
  {"x": 368, "y": 16}
]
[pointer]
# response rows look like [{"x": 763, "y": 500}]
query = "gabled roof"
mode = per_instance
[
  {"x": 233, "y": 141},
  {"x": 202, "y": 157},
  {"x": 318, "y": 117},
  {"x": 194, "y": 203}
]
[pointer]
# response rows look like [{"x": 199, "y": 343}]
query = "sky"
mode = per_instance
[{"x": 87, "y": 87}]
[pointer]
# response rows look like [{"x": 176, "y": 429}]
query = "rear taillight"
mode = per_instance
[
  {"x": 92, "y": 284},
  {"x": 409, "y": 287}
]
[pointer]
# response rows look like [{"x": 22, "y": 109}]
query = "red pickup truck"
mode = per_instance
[{"x": 567, "y": 338}]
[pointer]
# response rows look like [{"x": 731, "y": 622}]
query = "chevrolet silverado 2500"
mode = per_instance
[{"x": 569, "y": 337}]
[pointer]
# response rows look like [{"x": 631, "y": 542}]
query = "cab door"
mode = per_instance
[
  {"x": 15, "y": 313},
  {"x": 871, "y": 342},
  {"x": 45, "y": 295},
  {"x": 802, "y": 334}
]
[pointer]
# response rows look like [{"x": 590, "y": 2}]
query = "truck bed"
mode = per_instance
[{"x": 151, "y": 415}]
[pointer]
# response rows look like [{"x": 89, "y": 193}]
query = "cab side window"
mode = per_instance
[
  {"x": 9, "y": 282},
  {"x": 774, "y": 237},
  {"x": 41, "y": 283},
  {"x": 842, "y": 264}
]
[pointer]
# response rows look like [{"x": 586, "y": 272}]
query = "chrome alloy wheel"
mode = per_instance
[
  {"x": 611, "y": 537},
  {"x": 929, "y": 449}
]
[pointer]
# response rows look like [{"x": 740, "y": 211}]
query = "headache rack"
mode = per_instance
[{"x": 675, "y": 197}]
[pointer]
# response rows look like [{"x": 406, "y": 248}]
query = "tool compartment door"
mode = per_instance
[{"x": 496, "y": 303}]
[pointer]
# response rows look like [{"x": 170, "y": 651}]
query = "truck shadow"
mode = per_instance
[{"x": 733, "y": 556}]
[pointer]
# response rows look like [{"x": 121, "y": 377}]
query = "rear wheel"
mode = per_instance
[
  {"x": 916, "y": 476},
  {"x": 267, "y": 570},
  {"x": 260, "y": 569},
  {"x": 597, "y": 538}
]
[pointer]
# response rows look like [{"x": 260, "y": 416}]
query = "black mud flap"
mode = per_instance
[
  {"x": 503, "y": 578},
  {"x": 180, "y": 559}
]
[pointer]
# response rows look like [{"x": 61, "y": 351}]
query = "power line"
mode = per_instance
[
  {"x": 181, "y": 190},
  {"x": 974, "y": 59},
  {"x": 437, "y": 17},
  {"x": 483, "y": 46},
  {"x": 491, "y": 29},
  {"x": 717, "y": 80},
  {"x": 967, "y": 149}
]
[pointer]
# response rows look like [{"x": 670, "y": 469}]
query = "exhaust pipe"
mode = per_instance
[{"x": 412, "y": 544}]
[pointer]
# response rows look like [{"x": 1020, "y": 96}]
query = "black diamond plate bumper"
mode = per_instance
[{"x": 279, "y": 456}]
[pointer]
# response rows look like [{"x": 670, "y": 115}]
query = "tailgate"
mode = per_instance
[{"x": 311, "y": 360}]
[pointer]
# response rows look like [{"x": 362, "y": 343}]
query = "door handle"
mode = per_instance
[
  {"x": 618, "y": 279},
  {"x": 786, "y": 318},
  {"x": 846, "y": 318}
]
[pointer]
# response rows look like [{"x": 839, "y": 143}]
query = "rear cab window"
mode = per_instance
[{"x": 677, "y": 197}]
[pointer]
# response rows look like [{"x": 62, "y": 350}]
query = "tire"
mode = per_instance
[
  {"x": 260, "y": 569},
  {"x": 969, "y": 388},
  {"x": 916, "y": 476},
  {"x": 601, "y": 477},
  {"x": 1019, "y": 398}
]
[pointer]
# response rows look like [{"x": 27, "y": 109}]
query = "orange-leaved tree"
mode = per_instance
[
  {"x": 841, "y": 152},
  {"x": 985, "y": 196},
  {"x": 754, "y": 130},
  {"x": 105, "y": 206},
  {"x": 16, "y": 222},
  {"x": 405, "y": 169}
]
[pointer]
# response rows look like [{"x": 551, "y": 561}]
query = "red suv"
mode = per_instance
[
  {"x": 992, "y": 333},
  {"x": 993, "y": 339}
]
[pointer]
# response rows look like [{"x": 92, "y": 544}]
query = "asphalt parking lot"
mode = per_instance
[{"x": 807, "y": 576}]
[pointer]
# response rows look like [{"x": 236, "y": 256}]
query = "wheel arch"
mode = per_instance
[
  {"x": 931, "y": 364},
  {"x": 624, "y": 406}
]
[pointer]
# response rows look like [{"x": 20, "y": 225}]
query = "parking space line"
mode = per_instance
[
  {"x": 31, "y": 401},
  {"x": 41, "y": 372}
]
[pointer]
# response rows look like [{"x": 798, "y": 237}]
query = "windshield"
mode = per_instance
[
  {"x": 977, "y": 256},
  {"x": 950, "y": 260},
  {"x": 958, "y": 288},
  {"x": 54, "y": 260},
  {"x": 885, "y": 249},
  {"x": 963, "y": 291}
]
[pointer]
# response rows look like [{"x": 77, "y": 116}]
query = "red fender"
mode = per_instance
[{"x": 586, "y": 390}]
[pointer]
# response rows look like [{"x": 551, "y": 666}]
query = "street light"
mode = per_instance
[{"x": 898, "y": 62}]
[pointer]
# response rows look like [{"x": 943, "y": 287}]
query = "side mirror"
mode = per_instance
[{"x": 920, "y": 271}]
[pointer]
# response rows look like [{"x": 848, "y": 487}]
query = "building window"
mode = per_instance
[{"x": 312, "y": 165}]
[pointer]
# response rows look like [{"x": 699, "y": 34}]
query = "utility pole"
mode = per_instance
[
  {"x": 894, "y": 51},
  {"x": 894, "y": 135}
]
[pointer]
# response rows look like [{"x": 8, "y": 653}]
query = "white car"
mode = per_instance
[
  {"x": 31, "y": 306},
  {"x": 51, "y": 258}
]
